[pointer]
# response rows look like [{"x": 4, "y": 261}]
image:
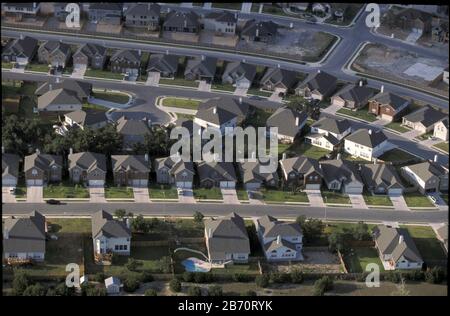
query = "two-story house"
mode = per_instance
[
  {"x": 40, "y": 168},
  {"x": 110, "y": 235},
  {"x": 20, "y": 50},
  {"x": 126, "y": 62},
  {"x": 164, "y": 64},
  {"x": 328, "y": 133},
  {"x": 170, "y": 171},
  {"x": 130, "y": 170},
  {"x": 87, "y": 167},
  {"x": 220, "y": 23},
  {"x": 341, "y": 175},
  {"x": 105, "y": 13},
  {"x": 441, "y": 130},
  {"x": 278, "y": 80},
  {"x": 289, "y": 123},
  {"x": 143, "y": 15},
  {"x": 367, "y": 144},
  {"x": 262, "y": 31},
  {"x": 20, "y": 11},
  {"x": 54, "y": 53},
  {"x": 132, "y": 131},
  {"x": 353, "y": 96},
  {"x": 253, "y": 175},
  {"x": 59, "y": 100},
  {"x": 317, "y": 86},
  {"x": 90, "y": 55},
  {"x": 381, "y": 179},
  {"x": 239, "y": 74},
  {"x": 215, "y": 118},
  {"x": 182, "y": 22},
  {"x": 428, "y": 176},
  {"x": 424, "y": 119},
  {"x": 387, "y": 106},
  {"x": 201, "y": 68},
  {"x": 301, "y": 171},
  {"x": 216, "y": 174}
]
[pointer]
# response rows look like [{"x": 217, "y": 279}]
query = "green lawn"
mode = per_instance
[
  {"x": 417, "y": 200},
  {"x": 113, "y": 192},
  {"x": 396, "y": 155},
  {"x": 228, "y": 5},
  {"x": 445, "y": 198},
  {"x": 428, "y": 245},
  {"x": 21, "y": 191},
  {"x": 179, "y": 82},
  {"x": 242, "y": 194},
  {"x": 115, "y": 97},
  {"x": 258, "y": 119},
  {"x": 223, "y": 86},
  {"x": 425, "y": 136},
  {"x": 359, "y": 258},
  {"x": 70, "y": 225},
  {"x": 442, "y": 146},
  {"x": 181, "y": 103},
  {"x": 65, "y": 190},
  {"x": 157, "y": 191},
  {"x": 279, "y": 196},
  {"x": 208, "y": 194},
  {"x": 103, "y": 74},
  {"x": 256, "y": 91},
  {"x": 361, "y": 114},
  {"x": 37, "y": 67},
  {"x": 94, "y": 107},
  {"x": 302, "y": 149},
  {"x": 397, "y": 126},
  {"x": 335, "y": 197},
  {"x": 6, "y": 65},
  {"x": 185, "y": 116},
  {"x": 382, "y": 200}
]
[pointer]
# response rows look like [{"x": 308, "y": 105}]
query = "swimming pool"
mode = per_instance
[{"x": 195, "y": 265}]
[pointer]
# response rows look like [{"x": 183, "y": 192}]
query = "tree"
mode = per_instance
[
  {"x": 62, "y": 290},
  {"x": 132, "y": 264},
  {"x": 262, "y": 280},
  {"x": 138, "y": 224},
  {"x": 93, "y": 290},
  {"x": 198, "y": 217},
  {"x": 215, "y": 290},
  {"x": 151, "y": 292},
  {"x": 188, "y": 276},
  {"x": 175, "y": 285},
  {"x": 165, "y": 264},
  {"x": 361, "y": 231},
  {"x": 120, "y": 213},
  {"x": 194, "y": 291},
  {"x": 20, "y": 283},
  {"x": 146, "y": 276},
  {"x": 336, "y": 242},
  {"x": 435, "y": 275},
  {"x": 323, "y": 285},
  {"x": 312, "y": 228},
  {"x": 99, "y": 277},
  {"x": 35, "y": 290},
  {"x": 297, "y": 276},
  {"x": 131, "y": 283}
]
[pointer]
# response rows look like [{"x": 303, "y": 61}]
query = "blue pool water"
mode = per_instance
[{"x": 190, "y": 266}]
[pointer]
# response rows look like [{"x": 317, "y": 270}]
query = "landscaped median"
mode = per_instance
[
  {"x": 112, "y": 96},
  {"x": 183, "y": 103}
]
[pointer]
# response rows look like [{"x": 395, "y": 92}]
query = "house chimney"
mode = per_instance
[
  {"x": 278, "y": 239},
  {"x": 291, "y": 25},
  {"x": 215, "y": 110},
  {"x": 318, "y": 71},
  {"x": 3, "y": 149},
  {"x": 6, "y": 233},
  {"x": 297, "y": 121},
  {"x": 240, "y": 100},
  {"x": 360, "y": 83},
  {"x": 139, "y": 52},
  {"x": 38, "y": 151},
  {"x": 57, "y": 79},
  {"x": 382, "y": 88},
  {"x": 146, "y": 157},
  {"x": 209, "y": 232},
  {"x": 338, "y": 156},
  {"x": 70, "y": 151},
  {"x": 203, "y": 57},
  {"x": 284, "y": 156},
  {"x": 400, "y": 239},
  {"x": 50, "y": 87},
  {"x": 370, "y": 132},
  {"x": 435, "y": 159},
  {"x": 257, "y": 32},
  {"x": 167, "y": 52},
  {"x": 21, "y": 36},
  {"x": 278, "y": 65}
]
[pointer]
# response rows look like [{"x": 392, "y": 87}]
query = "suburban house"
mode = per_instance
[
  {"x": 278, "y": 80},
  {"x": 396, "y": 248},
  {"x": 253, "y": 175},
  {"x": 112, "y": 285},
  {"x": 105, "y": 12},
  {"x": 42, "y": 168},
  {"x": 442, "y": 235},
  {"x": 126, "y": 62},
  {"x": 20, "y": 50},
  {"x": 143, "y": 15},
  {"x": 110, "y": 235},
  {"x": 262, "y": 31},
  {"x": 387, "y": 106},
  {"x": 133, "y": 131},
  {"x": 54, "y": 53},
  {"x": 84, "y": 119},
  {"x": 201, "y": 68},
  {"x": 59, "y": 100},
  {"x": 341, "y": 175},
  {"x": 353, "y": 96},
  {"x": 428, "y": 176},
  {"x": 215, "y": 118},
  {"x": 280, "y": 240},
  {"x": 220, "y": 23},
  {"x": 424, "y": 119},
  {"x": 88, "y": 168},
  {"x": 166, "y": 65},
  {"x": 24, "y": 238},
  {"x": 288, "y": 121},
  {"x": 328, "y": 133},
  {"x": 381, "y": 179},
  {"x": 317, "y": 86},
  {"x": 10, "y": 169},
  {"x": 235, "y": 106},
  {"x": 366, "y": 144},
  {"x": 183, "y": 22},
  {"x": 441, "y": 130},
  {"x": 301, "y": 171},
  {"x": 130, "y": 170},
  {"x": 227, "y": 239},
  {"x": 90, "y": 55},
  {"x": 239, "y": 74},
  {"x": 216, "y": 174},
  {"x": 82, "y": 89},
  {"x": 22, "y": 10},
  {"x": 170, "y": 171}
]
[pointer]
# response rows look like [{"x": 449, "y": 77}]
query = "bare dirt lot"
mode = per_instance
[{"x": 401, "y": 66}]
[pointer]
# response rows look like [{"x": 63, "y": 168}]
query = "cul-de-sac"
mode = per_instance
[{"x": 96, "y": 202}]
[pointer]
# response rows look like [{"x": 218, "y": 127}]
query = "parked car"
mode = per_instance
[
  {"x": 54, "y": 202},
  {"x": 12, "y": 191},
  {"x": 432, "y": 198},
  {"x": 180, "y": 191}
]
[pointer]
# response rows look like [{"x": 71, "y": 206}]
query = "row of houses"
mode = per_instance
[{"x": 226, "y": 237}]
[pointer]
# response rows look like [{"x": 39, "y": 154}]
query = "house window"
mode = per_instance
[
  {"x": 116, "y": 247},
  {"x": 34, "y": 172}
]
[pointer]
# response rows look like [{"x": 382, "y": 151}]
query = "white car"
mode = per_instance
[
  {"x": 180, "y": 191},
  {"x": 432, "y": 198}
]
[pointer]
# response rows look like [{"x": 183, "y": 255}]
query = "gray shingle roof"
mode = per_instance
[
  {"x": 127, "y": 55},
  {"x": 320, "y": 81},
  {"x": 275, "y": 244},
  {"x": 130, "y": 162},
  {"x": 222, "y": 16},
  {"x": 285, "y": 119},
  {"x": 204, "y": 66},
  {"x": 58, "y": 97},
  {"x": 301, "y": 165},
  {"x": 41, "y": 161},
  {"x": 221, "y": 116},
  {"x": 357, "y": 94},
  {"x": 25, "y": 234},
  {"x": 90, "y": 50},
  {"x": 426, "y": 170},
  {"x": 228, "y": 235},
  {"x": 10, "y": 165},
  {"x": 380, "y": 174},
  {"x": 103, "y": 224},
  {"x": 88, "y": 161},
  {"x": 280, "y": 76},
  {"x": 393, "y": 100},
  {"x": 181, "y": 19},
  {"x": 218, "y": 171},
  {"x": 388, "y": 241},
  {"x": 175, "y": 167},
  {"x": 148, "y": 9},
  {"x": 426, "y": 115},
  {"x": 87, "y": 117},
  {"x": 229, "y": 104},
  {"x": 81, "y": 88},
  {"x": 112, "y": 6},
  {"x": 366, "y": 138},
  {"x": 132, "y": 127},
  {"x": 332, "y": 125},
  {"x": 250, "y": 172},
  {"x": 340, "y": 170},
  {"x": 238, "y": 70},
  {"x": 26, "y": 46},
  {"x": 271, "y": 227},
  {"x": 163, "y": 63},
  {"x": 54, "y": 46}
]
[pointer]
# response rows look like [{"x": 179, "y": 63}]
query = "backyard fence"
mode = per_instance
[{"x": 341, "y": 259}]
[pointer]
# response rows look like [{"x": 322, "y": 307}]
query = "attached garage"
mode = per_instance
[
  {"x": 395, "y": 191},
  {"x": 386, "y": 117},
  {"x": 337, "y": 101},
  {"x": 312, "y": 186},
  {"x": 252, "y": 186},
  {"x": 184, "y": 184},
  {"x": 353, "y": 188},
  {"x": 35, "y": 182},
  {"x": 96, "y": 182},
  {"x": 9, "y": 181},
  {"x": 139, "y": 182},
  {"x": 227, "y": 184}
]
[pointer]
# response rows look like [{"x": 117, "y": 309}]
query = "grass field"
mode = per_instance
[
  {"x": 179, "y": 82},
  {"x": 397, "y": 126},
  {"x": 66, "y": 190},
  {"x": 37, "y": 67},
  {"x": 382, "y": 200},
  {"x": 396, "y": 155},
  {"x": 95, "y": 107},
  {"x": 103, "y": 74},
  {"x": 361, "y": 114},
  {"x": 118, "y": 192},
  {"x": 335, "y": 197},
  {"x": 208, "y": 194},
  {"x": 115, "y": 97},
  {"x": 242, "y": 194},
  {"x": 442, "y": 146},
  {"x": 181, "y": 103},
  {"x": 279, "y": 196},
  {"x": 162, "y": 192},
  {"x": 417, "y": 200},
  {"x": 359, "y": 258}
]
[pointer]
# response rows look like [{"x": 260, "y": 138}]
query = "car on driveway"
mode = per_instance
[
  {"x": 180, "y": 191},
  {"x": 432, "y": 198},
  {"x": 53, "y": 202}
]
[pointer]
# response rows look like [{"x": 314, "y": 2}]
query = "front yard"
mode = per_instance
[
  {"x": 66, "y": 190},
  {"x": 223, "y": 87},
  {"x": 361, "y": 114},
  {"x": 208, "y": 194},
  {"x": 179, "y": 82},
  {"x": 103, "y": 74},
  {"x": 160, "y": 191},
  {"x": 335, "y": 197},
  {"x": 279, "y": 196},
  {"x": 397, "y": 126},
  {"x": 417, "y": 200},
  {"x": 381, "y": 200},
  {"x": 181, "y": 103},
  {"x": 258, "y": 92},
  {"x": 37, "y": 67},
  {"x": 113, "y": 192},
  {"x": 242, "y": 194},
  {"x": 442, "y": 146},
  {"x": 6, "y": 65}
]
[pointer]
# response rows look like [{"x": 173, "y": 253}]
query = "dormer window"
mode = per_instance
[{"x": 34, "y": 172}]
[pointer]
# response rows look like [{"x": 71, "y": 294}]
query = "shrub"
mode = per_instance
[
  {"x": 91, "y": 290},
  {"x": 62, "y": 290},
  {"x": 200, "y": 277},
  {"x": 415, "y": 275},
  {"x": 20, "y": 283},
  {"x": 132, "y": 264},
  {"x": 393, "y": 276},
  {"x": 198, "y": 217},
  {"x": 99, "y": 277},
  {"x": 249, "y": 293},
  {"x": 262, "y": 280},
  {"x": 175, "y": 285},
  {"x": 279, "y": 277},
  {"x": 146, "y": 277},
  {"x": 50, "y": 292},
  {"x": 131, "y": 284},
  {"x": 241, "y": 277},
  {"x": 296, "y": 276},
  {"x": 151, "y": 292},
  {"x": 165, "y": 264},
  {"x": 188, "y": 276},
  {"x": 215, "y": 290},
  {"x": 35, "y": 290},
  {"x": 323, "y": 285},
  {"x": 435, "y": 275},
  {"x": 194, "y": 291}
]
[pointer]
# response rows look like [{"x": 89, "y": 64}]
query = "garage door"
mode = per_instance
[
  {"x": 96, "y": 182},
  {"x": 312, "y": 186},
  {"x": 9, "y": 182},
  {"x": 227, "y": 184},
  {"x": 252, "y": 186},
  {"x": 143, "y": 182},
  {"x": 386, "y": 117},
  {"x": 395, "y": 191},
  {"x": 34, "y": 182},
  {"x": 185, "y": 185},
  {"x": 353, "y": 190}
]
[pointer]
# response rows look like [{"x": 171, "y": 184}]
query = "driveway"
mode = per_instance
[
  {"x": 35, "y": 194},
  {"x": 187, "y": 196},
  {"x": 141, "y": 195},
  {"x": 229, "y": 196},
  {"x": 275, "y": 97},
  {"x": 332, "y": 109},
  {"x": 440, "y": 203},
  {"x": 255, "y": 198},
  {"x": 97, "y": 194},
  {"x": 204, "y": 86},
  {"x": 358, "y": 201},
  {"x": 315, "y": 198},
  {"x": 241, "y": 91},
  {"x": 7, "y": 197},
  {"x": 399, "y": 203},
  {"x": 411, "y": 134},
  {"x": 153, "y": 79},
  {"x": 78, "y": 72}
]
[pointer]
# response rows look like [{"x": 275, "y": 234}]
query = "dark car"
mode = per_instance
[{"x": 52, "y": 201}]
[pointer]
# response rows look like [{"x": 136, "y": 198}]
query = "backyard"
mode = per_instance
[
  {"x": 302, "y": 149},
  {"x": 359, "y": 257},
  {"x": 65, "y": 190},
  {"x": 397, "y": 155}
]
